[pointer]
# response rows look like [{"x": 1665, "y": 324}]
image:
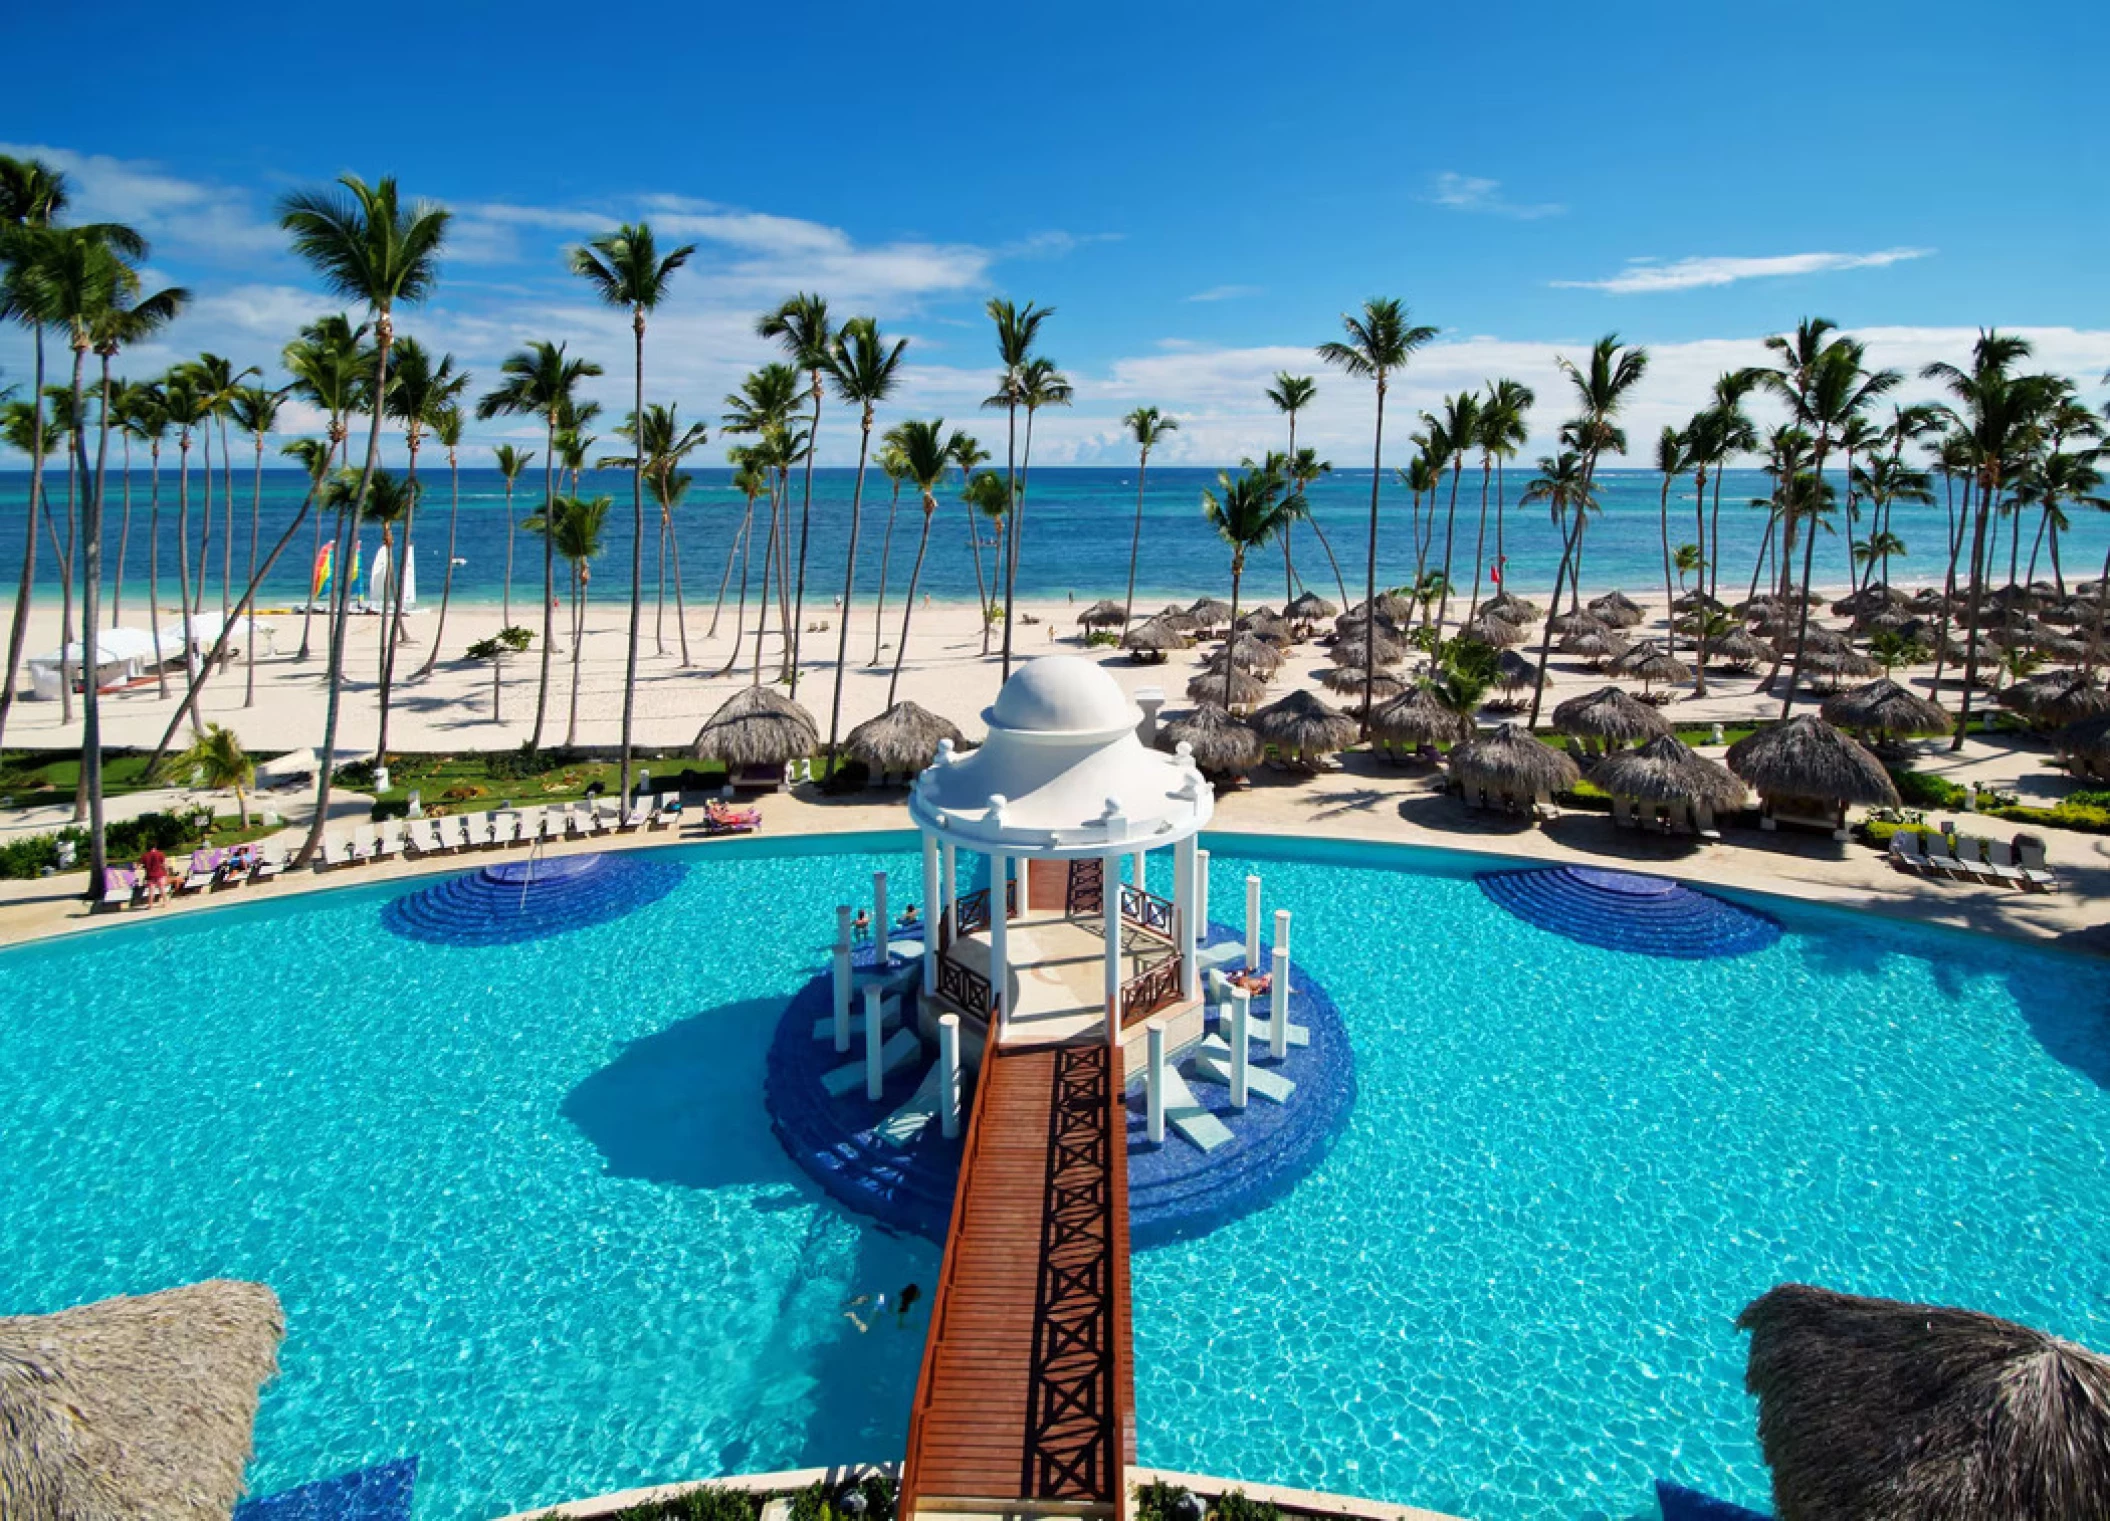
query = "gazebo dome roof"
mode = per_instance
[{"x": 1062, "y": 773}]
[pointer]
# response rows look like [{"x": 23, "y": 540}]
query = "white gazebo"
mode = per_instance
[{"x": 1058, "y": 948}]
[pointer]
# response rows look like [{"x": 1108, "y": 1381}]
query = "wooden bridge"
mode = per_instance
[{"x": 1026, "y": 1400}]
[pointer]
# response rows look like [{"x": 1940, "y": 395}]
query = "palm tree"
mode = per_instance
[
  {"x": 1379, "y": 342},
  {"x": 146, "y": 419},
  {"x": 893, "y": 464},
  {"x": 1730, "y": 432},
  {"x": 1148, "y": 427},
  {"x": 447, "y": 423},
  {"x": 927, "y": 452},
  {"x": 1291, "y": 394},
  {"x": 572, "y": 526},
  {"x": 33, "y": 195},
  {"x": 664, "y": 444},
  {"x": 1503, "y": 431},
  {"x": 421, "y": 389},
  {"x": 539, "y": 381},
  {"x": 328, "y": 370},
  {"x": 1423, "y": 477},
  {"x": 256, "y": 411},
  {"x": 971, "y": 460},
  {"x": 1671, "y": 462},
  {"x": 864, "y": 368},
  {"x": 1564, "y": 485},
  {"x": 389, "y": 502},
  {"x": 987, "y": 495},
  {"x": 222, "y": 383},
  {"x": 218, "y": 763},
  {"x": 1250, "y": 512},
  {"x": 367, "y": 247},
  {"x": 762, "y": 407},
  {"x": 802, "y": 328},
  {"x": 626, "y": 269},
  {"x": 1016, "y": 330},
  {"x": 1461, "y": 426},
  {"x": 1305, "y": 470},
  {"x": 511, "y": 463},
  {"x": 751, "y": 480},
  {"x": 121, "y": 404}
]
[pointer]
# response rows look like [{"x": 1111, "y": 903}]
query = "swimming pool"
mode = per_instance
[{"x": 528, "y": 1221}]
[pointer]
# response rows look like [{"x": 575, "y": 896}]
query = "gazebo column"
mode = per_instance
[
  {"x": 1136, "y": 874},
  {"x": 1198, "y": 926},
  {"x": 1110, "y": 902},
  {"x": 999, "y": 942},
  {"x": 1184, "y": 933},
  {"x": 951, "y": 905},
  {"x": 930, "y": 913}
]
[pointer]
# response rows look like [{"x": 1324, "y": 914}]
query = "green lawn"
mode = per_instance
[{"x": 491, "y": 779}]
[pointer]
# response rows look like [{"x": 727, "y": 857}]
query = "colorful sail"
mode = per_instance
[{"x": 320, "y": 582}]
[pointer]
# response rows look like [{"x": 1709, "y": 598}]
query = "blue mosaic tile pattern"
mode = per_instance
[
  {"x": 1626, "y": 911},
  {"x": 517, "y": 901},
  {"x": 380, "y": 1493}
]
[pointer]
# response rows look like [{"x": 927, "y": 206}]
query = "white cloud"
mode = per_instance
[
  {"x": 162, "y": 206},
  {"x": 1643, "y": 276},
  {"x": 1465, "y": 192},
  {"x": 1226, "y": 293}
]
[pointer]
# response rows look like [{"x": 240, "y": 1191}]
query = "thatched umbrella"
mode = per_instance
[
  {"x": 1648, "y": 662},
  {"x": 1595, "y": 647},
  {"x": 2085, "y": 745},
  {"x": 1176, "y": 617},
  {"x": 1300, "y": 726},
  {"x": 1495, "y": 633},
  {"x": 1739, "y": 650},
  {"x": 1265, "y": 625},
  {"x": 1617, "y": 609},
  {"x": 902, "y": 740},
  {"x": 1511, "y": 762},
  {"x": 1248, "y": 654},
  {"x": 1308, "y": 608},
  {"x": 1418, "y": 718},
  {"x": 1868, "y": 600},
  {"x": 1221, "y": 744},
  {"x": 1666, "y": 770},
  {"x": 1882, "y": 1411},
  {"x": 1511, "y": 608},
  {"x": 755, "y": 727},
  {"x": 1804, "y": 760},
  {"x": 1209, "y": 612},
  {"x": 135, "y": 1407},
  {"x": 1348, "y": 649},
  {"x": 1153, "y": 640},
  {"x": 1578, "y": 623},
  {"x": 1697, "y": 601},
  {"x": 1105, "y": 613},
  {"x": 1515, "y": 674},
  {"x": 1884, "y": 711},
  {"x": 1829, "y": 667},
  {"x": 1391, "y": 607},
  {"x": 1245, "y": 689},
  {"x": 1611, "y": 716},
  {"x": 1348, "y": 680},
  {"x": 2056, "y": 698}
]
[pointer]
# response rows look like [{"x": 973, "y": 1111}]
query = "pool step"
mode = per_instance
[
  {"x": 1628, "y": 911},
  {"x": 1186, "y": 1114},
  {"x": 889, "y": 1013},
  {"x": 909, "y": 1121},
  {"x": 1212, "y": 1061},
  {"x": 901, "y": 1048},
  {"x": 515, "y": 901}
]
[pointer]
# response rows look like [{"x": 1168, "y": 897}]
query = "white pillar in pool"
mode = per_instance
[
  {"x": 875, "y": 1076},
  {"x": 842, "y": 978},
  {"x": 949, "y": 1075},
  {"x": 1154, "y": 1083},
  {"x": 930, "y": 913},
  {"x": 1278, "y": 1005},
  {"x": 879, "y": 920},
  {"x": 1252, "y": 924},
  {"x": 1183, "y": 917},
  {"x": 1110, "y": 903},
  {"x": 1200, "y": 924},
  {"x": 999, "y": 944},
  {"x": 952, "y": 891},
  {"x": 1241, "y": 1035}
]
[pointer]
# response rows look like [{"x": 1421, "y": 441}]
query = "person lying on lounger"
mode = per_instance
[{"x": 1252, "y": 982}]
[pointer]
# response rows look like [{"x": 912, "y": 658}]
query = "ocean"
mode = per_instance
[{"x": 1078, "y": 524}]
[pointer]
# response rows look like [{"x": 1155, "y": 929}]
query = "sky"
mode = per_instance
[{"x": 1199, "y": 192}]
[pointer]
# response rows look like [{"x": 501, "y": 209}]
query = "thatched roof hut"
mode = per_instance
[
  {"x": 1648, "y": 662},
  {"x": 1883, "y": 1411},
  {"x": 1153, "y": 640},
  {"x": 1221, "y": 744},
  {"x": 1300, "y": 725},
  {"x": 1265, "y": 625},
  {"x": 757, "y": 726},
  {"x": 1577, "y": 623},
  {"x": 1173, "y": 616},
  {"x": 1511, "y": 608},
  {"x": 1611, "y": 715},
  {"x": 1739, "y": 649},
  {"x": 1348, "y": 681},
  {"x": 1512, "y": 762},
  {"x": 902, "y": 740},
  {"x": 1869, "y": 600},
  {"x": 1594, "y": 646},
  {"x": 1105, "y": 613},
  {"x": 1617, "y": 609},
  {"x": 1514, "y": 672},
  {"x": 1248, "y": 654},
  {"x": 2085, "y": 745},
  {"x": 138, "y": 1408},
  {"x": 1883, "y": 710},
  {"x": 1349, "y": 649},
  {"x": 2056, "y": 698},
  {"x": 1418, "y": 717},
  {"x": 1806, "y": 759},
  {"x": 1245, "y": 689},
  {"x": 1391, "y": 607},
  {"x": 1666, "y": 770},
  {"x": 1209, "y": 612},
  {"x": 1308, "y": 607},
  {"x": 1495, "y": 633}
]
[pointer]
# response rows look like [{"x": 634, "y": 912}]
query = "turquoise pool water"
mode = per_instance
[{"x": 528, "y": 1222}]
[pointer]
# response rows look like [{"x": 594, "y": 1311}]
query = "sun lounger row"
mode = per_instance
[
  {"x": 2018, "y": 863},
  {"x": 209, "y": 870}
]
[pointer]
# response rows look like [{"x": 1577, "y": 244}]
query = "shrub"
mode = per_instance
[
  {"x": 818, "y": 1501},
  {"x": 1918, "y": 790},
  {"x": 716, "y": 1502},
  {"x": 2085, "y": 799},
  {"x": 1154, "y": 1501},
  {"x": 1237, "y": 1506},
  {"x": 355, "y": 776},
  {"x": 390, "y": 808},
  {"x": 2065, "y": 815},
  {"x": 462, "y": 792},
  {"x": 1102, "y": 637},
  {"x": 29, "y": 855},
  {"x": 129, "y": 838}
]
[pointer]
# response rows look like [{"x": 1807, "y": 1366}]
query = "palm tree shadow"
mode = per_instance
[{"x": 684, "y": 1106}]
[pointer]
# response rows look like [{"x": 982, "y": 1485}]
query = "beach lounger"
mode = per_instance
[
  {"x": 1970, "y": 855},
  {"x": 639, "y": 815},
  {"x": 425, "y": 838},
  {"x": 2000, "y": 861},
  {"x": 1908, "y": 852},
  {"x": 1941, "y": 857},
  {"x": 387, "y": 844},
  {"x": 120, "y": 887},
  {"x": 269, "y": 864},
  {"x": 669, "y": 809},
  {"x": 204, "y": 867},
  {"x": 2036, "y": 871}
]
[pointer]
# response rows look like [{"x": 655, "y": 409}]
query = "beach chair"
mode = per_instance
[
  {"x": 1970, "y": 855},
  {"x": 204, "y": 867},
  {"x": 596, "y": 821},
  {"x": 387, "y": 844},
  {"x": 1908, "y": 852},
  {"x": 337, "y": 853},
  {"x": 2036, "y": 871},
  {"x": 1941, "y": 856},
  {"x": 637, "y": 816},
  {"x": 2000, "y": 860},
  {"x": 1544, "y": 809},
  {"x": 723, "y": 818},
  {"x": 508, "y": 830},
  {"x": 549, "y": 825},
  {"x": 120, "y": 887},
  {"x": 269, "y": 864},
  {"x": 425, "y": 838},
  {"x": 666, "y": 808}
]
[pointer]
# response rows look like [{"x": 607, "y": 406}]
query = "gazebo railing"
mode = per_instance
[
  {"x": 1149, "y": 991},
  {"x": 966, "y": 988},
  {"x": 972, "y": 910},
  {"x": 1147, "y": 911}
]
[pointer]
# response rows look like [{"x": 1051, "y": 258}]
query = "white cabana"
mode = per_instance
[{"x": 121, "y": 655}]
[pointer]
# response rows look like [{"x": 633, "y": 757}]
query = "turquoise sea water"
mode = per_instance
[{"x": 528, "y": 1221}]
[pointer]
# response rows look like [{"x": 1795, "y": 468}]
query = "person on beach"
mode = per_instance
[{"x": 154, "y": 866}]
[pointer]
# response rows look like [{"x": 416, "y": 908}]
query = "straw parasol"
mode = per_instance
[
  {"x": 1173, "y": 616},
  {"x": 1511, "y": 762},
  {"x": 1347, "y": 649},
  {"x": 1578, "y": 623},
  {"x": 757, "y": 726},
  {"x": 1666, "y": 770},
  {"x": 1617, "y": 609},
  {"x": 1514, "y": 672},
  {"x": 1153, "y": 640},
  {"x": 902, "y": 740},
  {"x": 135, "y": 1407},
  {"x": 1105, "y": 613},
  {"x": 1495, "y": 633},
  {"x": 1418, "y": 717},
  {"x": 1739, "y": 650},
  {"x": 1300, "y": 725},
  {"x": 1221, "y": 744},
  {"x": 1647, "y": 662},
  {"x": 1348, "y": 681},
  {"x": 1511, "y": 608},
  {"x": 1883, "y": 1411},
  {"x": 2056, "y": 698},
  {"x": 1308, "y": 607},
  {"x": 1210, "y": 612},
  {"x": 1248, "y": 654},
  {"x": 1805, "y": 757},
  {"x": 2085, "y": 745},
  {"x": 1246, "y": 688},
  {"x": 1886, "y": 711},
  {"x": 1265, "y": 625},
  {"x": 1610, "y": 715},
  {"x": 1594, "y": 646}
]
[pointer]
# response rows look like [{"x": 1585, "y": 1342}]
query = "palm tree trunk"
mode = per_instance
[
  {"x": 908, "y": 605},
  {"x": 982, "y": 597},
  {"x": 1135, "y": 542},
  {"x": 1765, "y": 542},
  {"x": 842, "y": 634},
  {"x": 681, "y": 610},
  {"x": 227, "y": 511},
  {"x": 2036, "y": 545},
  {"x": 1956, "y": 530},
  {"x": 1377, "y": 480},
  {"x": 1714, "y": 537},
  {"x": 1986, "y": 490},
  {"x": 791, "y": 620},
  {"x": 1010, "y": 546},
  {"x": 742, "y": 542},
  {"x": 886, "y": 550},
  {"x": 190, "y": 638},
  {"x": 1340, "y": 585},
  {"x": 1809, "y": 562},
  {"x": 384, "y": 337},
  {"x": 18, "y": 628},
  {"x": 394, "y": 591},
  {"x": 307, "y": 612},
  {"x": 91, "y": 590},
  {"x": 67, "y": 560},
  {"x": 1231, "y": 638},
  {"x": 769, "y": 549},
  {"x": 1450, "y": 524},
  {"x": 256, "y": 514},
  {"x": 1670, "y": 596},
  {"x": 578, "y": 649},
  {"x": 725, "y": 579},
  {"x": 794, "y": 643},
  {"x": 1560, "y": 573},
  {"x": 2102, "y": 602},
  {"x": 637, "y": 564},
  {"x": 505, "y": 592},
  {"x": 549, "y": 572},
  {"x": 161, "y": 670},
  {"x": 1479, "y": 541},
  {"x": 659, "y": 608},
  {"x": 197, "y": 601},
  {"x": 124, "y": 532},
  {"x": 454, "y": 514}
]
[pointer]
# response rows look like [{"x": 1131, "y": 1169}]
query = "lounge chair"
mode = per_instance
[
  {"x": 2036, "y": 871},
  {"x": 120, "y": 887},
  {"x": 336, "y": 853},
  {"x": 668, "y": 810},
  {"x": 1941, "y": 856},
  {"x": 204, "y": 868},
  {"x": 637, "y": 816},
  {"x": 1970, "y": 854},
  {"x": 723, "y": 818},
  {"x": 596, "y": 822},
  {"x": 1908, "y": 852},
  {"x": 387, "y": 844},
  {"x": 2000, "y": 860},
  {"x": 510, "y": 829},
  {"x": 269, "y": 864},
  {"x": 425, "y": 838}
]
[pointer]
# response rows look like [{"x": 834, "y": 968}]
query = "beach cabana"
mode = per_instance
[
  {"x": 1248, "y": 654},
  {"x": 1105, "y": 613},
  {"x": 1617, "y": 609},
  {"x": 1151, "y": 641},
  {"x": 1594, "y": 647},
  {"x": 1415, "y": 723},
  {"x": 1224, "y": 746},
  {"x": 1516, "y": 675},
  {"x": 901, "y": 741},
  {"x": 1307, "y": 608},
  {"x": 757, "y": 732},
  {"x": 1173, "y": 616},
  {"x": 2085, "y": 746},
  {"x": 1648, "y": 662},
  {"x": 1348, "y": 649},
  {"x": 2056, "y": 698},
  {"x": 1245, "y": 689},
  {"x": 1739, "y": 650},
  {"x": 1608, "y": 718},
  {"x": 1512, "y": 768},
  {"x": 1665, "y": 773},
  {"x": 1495, "y": 633},
  {"x": 1882, "y": 1411},
  {"x": 137, "y": 1407},
  {"x": 1265, "y": 625},
  {"x": 1574, "y": 622},
  {"x": 1348, "y": 681},
  {"x": 1511, "y": 608},
  {"x": 1883, "y": 711},
  {"x": 1807, "y": 772},
  {"x": 1302, "y": 728},
  {"x": 1209, "y": 613}
]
